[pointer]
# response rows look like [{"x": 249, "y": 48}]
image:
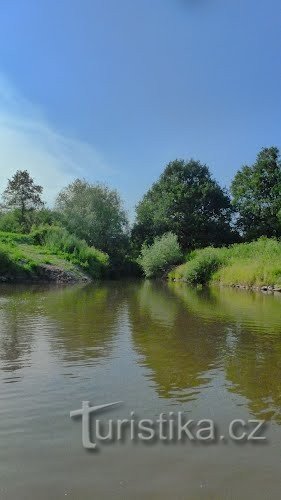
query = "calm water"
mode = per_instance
[{"x": 159, "y": 348}]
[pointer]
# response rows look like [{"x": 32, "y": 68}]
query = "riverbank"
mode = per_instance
[
  {"x": 255, "y": 265},
  {"x": 22, "y": 260}
]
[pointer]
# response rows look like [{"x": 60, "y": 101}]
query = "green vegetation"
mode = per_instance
[
  {"x": 200, "y": 267},
  {"x": 95, "y": 213},
  {"x": 187, "y": 201},
  {"x": 58, "y": 241},
  {"x": 24, "y": 196},
  {"x": 157, "y": 258},
  {"x": 256, "y": 194},
  {"x": 14, "y": 262},
  {"x": 24, "y": 255},
  {"x": 250, "y": 264},
  {"x": 185, "y": 210}
]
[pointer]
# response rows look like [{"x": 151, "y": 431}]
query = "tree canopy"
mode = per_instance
[
  {"x": 24, "y": 196},
  {"x": 187, "y": 201},
  {"x": 256, "y": 192},
  {"x": 94, "y": 213}
]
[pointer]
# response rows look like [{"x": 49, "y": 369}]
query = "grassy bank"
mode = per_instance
[
  {"x": 254, "y": 264},
  {"x": 49, "y": 253}
]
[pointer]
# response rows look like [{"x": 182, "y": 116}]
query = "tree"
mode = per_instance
[
  {"x": 164, "y": 252},
  {"x": 94, "y": 213},
  {"x": 23, "y": 196},
  {"x": 187, "y": 201},
  {"x": 256, "y": 192}
]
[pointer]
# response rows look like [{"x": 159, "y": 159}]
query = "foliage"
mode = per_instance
[
  {"x": 250, "y": 264},
  {"x": 256, "y": 194},
  {"x": 200, "y": 269},
  {"x": 15, "y": 238},
  {"x": 187, "y": 201},
  {"x": 23, "y": 195},
  {"x": 162, "y": 254},
  {"x": 14, "y": 261},
  {"x": 94, "y": 213},
  {"x": 44, "y": 216},
  {"x": 59, "y": 241},
  {"x": 9, "y": 222}
]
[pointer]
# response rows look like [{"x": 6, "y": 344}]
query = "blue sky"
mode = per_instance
[{"x": 112, "y": 90}]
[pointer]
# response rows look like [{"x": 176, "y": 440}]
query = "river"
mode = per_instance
[{"x": 159, "y": 348}]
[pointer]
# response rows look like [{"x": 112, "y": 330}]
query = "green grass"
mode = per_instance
[
  {"x": 11, "y": 238},
  {"x": 22, "y": 255},
  {"x": 250, "y": 264},
  {"x": 14, "y": 261},
  {"x": 56, "y": 240}
]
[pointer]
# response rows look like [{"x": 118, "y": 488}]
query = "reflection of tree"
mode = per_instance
[
  {"x": 174, "y": 344},
  {"x": 253, "y": 366},
  {"x": 256, "y": 311},
  {"x": 86, "y": 320},
  {"x": 17, "y": 310},
  {"x": 79, "y": 323},
  {"x": 252, "y": 353}
]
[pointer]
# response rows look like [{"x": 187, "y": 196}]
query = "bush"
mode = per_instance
[
  {"x": 164, "y": 252},
  {"x": 6, "y": 263},
  {"x": 60, "y": 242},
  {"x": 257, "y": 263},
  {"x": 200, "y": 269},
  {"x": 15, "y": 238},
  {"x": 14, "y": 261},
  {"x": 9, "y": 222}
]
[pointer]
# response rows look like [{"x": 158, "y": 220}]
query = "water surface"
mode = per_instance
[{"x": 158, "y": 347}]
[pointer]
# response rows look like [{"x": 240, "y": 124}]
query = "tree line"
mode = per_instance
[{"x": 186, "y": 200}]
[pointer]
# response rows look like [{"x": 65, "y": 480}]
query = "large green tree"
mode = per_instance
[
  {"x": 23, "y": 196},
  {"x": 94, "y": 213},
  {"x": 187, "y": 201},
  {"x": 256, "y": 192}
]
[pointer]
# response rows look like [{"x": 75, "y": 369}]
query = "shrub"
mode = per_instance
[
  {"x": 14, "y": 238},
  {"x": 60, "y": 242},
  {"x": 9, "y": 222},
  {"x": 14, "y": 261},
  {"x": 6, "y": 263},
  {"x": 257, "y": 263},
  {"x": 164, "y": 252},
  {"x": 200, "y": 269}
]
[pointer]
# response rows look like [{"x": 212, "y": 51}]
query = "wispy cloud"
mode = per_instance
[{"x": 29, "y": 142}]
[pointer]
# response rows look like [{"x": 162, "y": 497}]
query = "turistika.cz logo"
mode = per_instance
[{"x": 172, "y": 427}]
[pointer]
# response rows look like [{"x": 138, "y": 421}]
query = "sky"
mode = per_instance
[{"x": 112, "y": 90}]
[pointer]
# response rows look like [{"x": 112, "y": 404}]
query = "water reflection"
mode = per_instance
[
  {"x": 252, "y": 351},
  {"x": 253, "y": 310},
  {"x": 76, "y": 324},
  {"x": 176, "y": 346},
  {"x": 180, "y": 341},
  {"x": 17, "y": 313},
  {"x": 253, "y": 368},
  {"x": 86, "y": 320}
]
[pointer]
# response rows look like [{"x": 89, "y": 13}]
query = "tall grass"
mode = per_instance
[
  {"x": 251, "y": 264},
  {"x": 13, "y": 261},
  {"x": 15, "y": 238},
  {"x": 57, "y": 240}
]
